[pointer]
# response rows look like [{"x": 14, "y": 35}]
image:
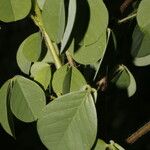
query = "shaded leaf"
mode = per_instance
[
  {"x": 98, "y": 22},
  {"x": 23, "y": 63},
  {"x": 90, "y": 54},
  {"x": 31, "y": 47},
  {"x": 53, "y": 16},
  {"x": 69, "y": 122},
  {"x": 13, "y": 10},
  {"x": 41, "y": 72},
  {"x": 140, "y": 47},
  {"x": 6, "y": 119},
  {"x": 125, "y": 80},
  {"x": 27, "y": 99},
  {"x": 70, "y": 79},
  {"x": 70, "y": 23},
  {"x": 98, "y": 65},
  {"x": 29, "y": 51}
]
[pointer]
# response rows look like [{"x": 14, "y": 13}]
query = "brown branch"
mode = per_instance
[
  {"x": 125, "y": 4},
  {"x": 139, "y": 133}
]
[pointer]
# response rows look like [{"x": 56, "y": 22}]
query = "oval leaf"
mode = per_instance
[
  {"x": 125, "y": 80},
  {"x": 53, "y": 16},
  {"x": 92, "y": 53},
  {"x": 140, "y": 48},
  {"x": 98, "y": 22},
  {"x": 31, "y": 47},
  {"x": 23, "y": 63},
  {"x": 41, "y": 72},
  {"x": 6, "y": 119},
  {"x": 143, "y": 15},
  {"x": 69, "y": 122},
  {"x": 13, "y": 10},
  {"x": 27, "y": 99},
  {"x": 70, "y": 79}
]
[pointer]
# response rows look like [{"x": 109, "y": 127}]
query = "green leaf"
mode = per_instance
[
  {"x": 118, "y": 147},
  {"x": 70, "y": 79},
  {"x": 27, "y": 99},
  {"x": 31, "y": 47},
  {"x": 98, "y": 22},
  {"x": 101, "y": 145},
  {"x": 41, "y": 3},
  {"x": 140, "y": 47},
  {"x": 125, "y": 80},
  {"x": 115, "y": 146},
  {"x": 6, "y": 119},
  {"x": 92, "y": 53},
  {"x": 23, "y": 63},
  {"x": 29, "y": 51},
  {"x": 41, "y": 72},
  {"x": 98, "y": 65},
  {"x": 48, "y": 57},
  {"x": 70, "y": 23},
  {"x": 143, "y": 15},
  {"x": 69, "y": 122},
  {"x": 14, "y": 10},
  {"x": 53, "y": 16}
]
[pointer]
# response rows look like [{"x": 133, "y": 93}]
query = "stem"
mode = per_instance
[
  {"x": 37, "y": 18},
  {"x": 127, "y": 18},
  {"x": 51, "y": 47},
  {"x": 70, "y": 59},
  {"x": 140, "y": 132}
]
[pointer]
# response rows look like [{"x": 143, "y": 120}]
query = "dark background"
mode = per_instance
[{"x": 119, "y": 116}]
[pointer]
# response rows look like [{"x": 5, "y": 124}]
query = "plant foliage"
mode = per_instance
[{"x": 73, "y": 37}]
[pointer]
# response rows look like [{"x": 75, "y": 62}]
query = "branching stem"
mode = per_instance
[{"x": 37, "y": 18}]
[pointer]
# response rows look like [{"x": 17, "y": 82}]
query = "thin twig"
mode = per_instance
[
  {"x": 140, "y": 132},
  {"x": 127, "y": 18}
]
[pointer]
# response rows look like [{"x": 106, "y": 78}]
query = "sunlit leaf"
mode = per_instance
[
  {"x": 41, "y": 72},
  {"x": 6, "y": 119},
  {"x": 27, "y": 99},
  {"x": 69, "y": 78},
  {"x": 13, "y": 10},
  {"x": 69, "y": 122},
  {"x": 143, "y": 15},
  {"x": 41, "y": 3},
  {"x": 48, "y": 57},
  {"x": 70, "y": 23},
  {"x": 53, "y": 16},
  {"x": 101, "y": 145}
]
